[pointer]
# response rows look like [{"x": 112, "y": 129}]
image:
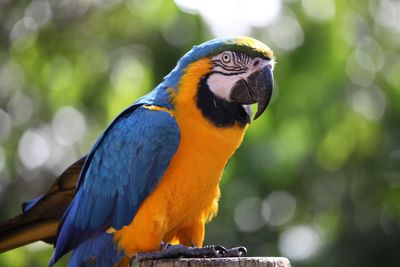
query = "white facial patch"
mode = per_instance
[{"x": 221, "y": 85}]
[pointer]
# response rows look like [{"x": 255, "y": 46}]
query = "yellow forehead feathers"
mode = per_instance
[{"x": 256, "y": 45}]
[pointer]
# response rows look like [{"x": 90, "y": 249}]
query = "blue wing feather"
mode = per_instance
[
  {"x": 121, "y": 171},
  {"x": 28, "y": 205}
]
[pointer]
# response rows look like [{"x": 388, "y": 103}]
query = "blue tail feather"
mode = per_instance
[{"x": 98, "y": 251}]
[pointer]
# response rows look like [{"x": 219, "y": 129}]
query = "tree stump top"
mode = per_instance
[{"x": 219, "y": 262}]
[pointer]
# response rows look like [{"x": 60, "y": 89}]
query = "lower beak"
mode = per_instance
[{"x": 256, "y": 88}]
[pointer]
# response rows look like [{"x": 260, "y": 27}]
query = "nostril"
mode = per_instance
[{"x": 255, "y": 64}]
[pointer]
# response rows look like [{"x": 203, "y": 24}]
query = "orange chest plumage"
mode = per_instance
[
  {"x": 189, "y": 189},
  {"x": 204, "y": 148}
]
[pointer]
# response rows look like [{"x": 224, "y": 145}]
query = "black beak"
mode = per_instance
[{"x": 256, "y": 88}]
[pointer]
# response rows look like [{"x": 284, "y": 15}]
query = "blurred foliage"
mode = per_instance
[{"x": 317, "y": 178}]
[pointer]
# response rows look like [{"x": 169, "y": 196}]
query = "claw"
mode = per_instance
[
  {"x": 164, "y": 245},
  {"x": 220, "y": 251},
  {"x": 236, "y": 252}
]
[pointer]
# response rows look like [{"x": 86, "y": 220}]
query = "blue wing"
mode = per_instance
[{"x": 123, "y": 168}]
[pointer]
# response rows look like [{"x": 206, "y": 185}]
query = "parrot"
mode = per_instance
[{"x": 151, "y": 180}]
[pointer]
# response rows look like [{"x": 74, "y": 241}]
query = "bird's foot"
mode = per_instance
[
  {"x": 221, "y": 251},
  {"x": 169, "y": 251}
]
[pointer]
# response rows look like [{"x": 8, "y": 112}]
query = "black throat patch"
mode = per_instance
[{"x": 219, "y": 111}]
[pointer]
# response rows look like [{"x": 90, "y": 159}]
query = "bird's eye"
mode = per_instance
[{"x": 226, "y": 58}]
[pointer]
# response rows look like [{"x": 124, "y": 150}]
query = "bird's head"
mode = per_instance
[{"x": 236, "y": 70}]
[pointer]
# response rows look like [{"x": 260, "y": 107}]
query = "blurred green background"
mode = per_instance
[{"x": 317, "y": 178}]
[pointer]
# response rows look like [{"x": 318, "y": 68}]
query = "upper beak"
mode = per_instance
[{"x": 256, "y": 88}]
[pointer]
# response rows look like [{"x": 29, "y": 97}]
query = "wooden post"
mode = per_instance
[{"x": 218, "y": 262}]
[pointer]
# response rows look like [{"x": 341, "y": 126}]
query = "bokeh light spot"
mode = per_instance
[
  {"x": 39, "y": 11},
  {"x": 237, "y": 17},
  {"x": 370, "y": 102},
  {"x": 248, "y": 215},
  {"x": 5, "y": 125},
  {"x": 24, "y": 33},
  {"x": 300, "y": 242},
  {"x": 11, "y": 78},
  {"x": 388, "y": 14},
  {"x": 20, "y": 108},
  {"x": 33, "y": 149},
  {"x": 286, "y": 33},
  {"x": 278, "y": 208},
  {"x": 360, "y": 75},
  {"x": 69, "y": 126},
  {"x": 319, "y": 10},
  {"x": 2, "y": 159}
]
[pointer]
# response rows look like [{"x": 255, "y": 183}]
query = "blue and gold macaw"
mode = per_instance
[{"x": 153, "y": 175}]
